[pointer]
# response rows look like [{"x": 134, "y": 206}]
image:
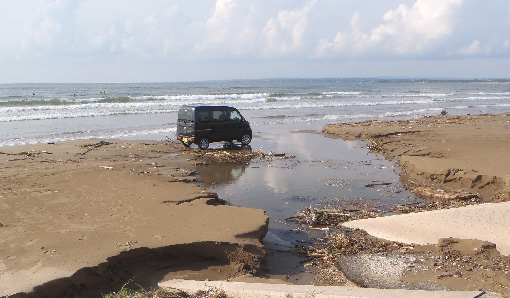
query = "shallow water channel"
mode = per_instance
[{"x": 322, "y": 172}]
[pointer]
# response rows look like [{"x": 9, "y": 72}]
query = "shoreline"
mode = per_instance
[{"x": 94, "y": 214}]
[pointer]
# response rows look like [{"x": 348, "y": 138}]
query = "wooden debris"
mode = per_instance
[
  {"x": 93, "y": 146},
  {"x": 330, "y": 217},
  {"x": 432, "y": 194},
  {"x": 234, "y": 156},
  {"x": 375, "y": 146}
]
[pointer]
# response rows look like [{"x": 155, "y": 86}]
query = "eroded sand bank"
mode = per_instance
[
  {"x": 94, "y": 214},
  {"x": 444, "y": 159},
  {"x": 468, "y": 153}
]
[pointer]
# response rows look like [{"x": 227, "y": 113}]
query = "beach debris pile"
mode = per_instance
[
  {"x": 452, "y": 263},
  {"x": 456, "y": 264},
  {"x": 441, "y": 195},
  {"x": 34, "y": 153},
  {"x": 375, "y": 146},
  {"x": 435, "y": 199},
  {"x": 211, "y": 292},
  {"x": 326, "y": 217},
  {"x": 504, "y": 193},
  {"x": 126, "y": 292},
  {"x": 454, "y": 255},
  {"x": 31, "y": 153},
  {"x": 234, "y": 156},
  {"x": 464, "y": 264},
  {"x": 348, "y": 242}
]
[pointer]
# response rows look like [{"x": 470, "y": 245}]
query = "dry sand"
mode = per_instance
[{"x": 92, "y": 214}]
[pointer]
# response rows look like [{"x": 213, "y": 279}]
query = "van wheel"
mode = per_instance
[
  {"x": 246, "y": 139},
  {"x": 203, "y": 143}
]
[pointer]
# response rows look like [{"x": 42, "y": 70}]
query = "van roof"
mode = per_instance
[{"x": 207, "y": 107}]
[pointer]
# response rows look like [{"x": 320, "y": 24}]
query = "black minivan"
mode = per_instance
[{"x": 202, "y": 125}]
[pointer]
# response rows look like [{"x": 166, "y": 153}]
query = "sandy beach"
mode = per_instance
[
  {"x": 451, "y": 153},
  {"x": 87, "y": 216},
  {"x": 459, "y": 162}
]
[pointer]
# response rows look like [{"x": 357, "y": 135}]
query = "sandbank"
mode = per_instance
[
  {"x": 450, "y": 153},
  {"x": 445, "y": 159},
  {"x": 465, "y": 155},
  {"x": 92, "y": 215}
]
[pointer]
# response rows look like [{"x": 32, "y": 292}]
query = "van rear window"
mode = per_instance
[{"x": 185, "y": 114}]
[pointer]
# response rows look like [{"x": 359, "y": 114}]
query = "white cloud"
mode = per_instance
[
  {"x": 141, "y": 30},
  {"x": 254, "y": 30},
  {"x": 29, "y": 30},
  {"x": 506, "y": 44},
  {"x": 243, "y": 35},
  {"x": 406, "y": 30},
  {"x": 473, "y": 49},
  {"x": 221, "y": 29},
  {"x": 288, "y": 31}
]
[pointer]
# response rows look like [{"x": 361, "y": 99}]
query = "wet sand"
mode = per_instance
[
  {"x": 443, "y": 160},
  {"x": 461, "y": 153},
  {"x": 85, "y": 217},
  {"x": 86, "y": 214}
]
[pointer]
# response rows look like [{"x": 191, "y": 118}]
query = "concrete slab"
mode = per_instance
[
  {"x": 259, "y": 290},
  {"x": 487, "y": 222}
]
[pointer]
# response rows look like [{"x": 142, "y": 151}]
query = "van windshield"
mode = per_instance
[{"x": 235, "y": 116}]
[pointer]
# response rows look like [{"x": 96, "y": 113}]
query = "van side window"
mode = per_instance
[
  {"x": 220, "y": 116},
  {"x": 204, "y": 116},
  {"x": 235, "y": 116}
]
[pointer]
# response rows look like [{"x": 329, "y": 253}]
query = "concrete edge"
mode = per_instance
[{"x": 261, "y": 290}]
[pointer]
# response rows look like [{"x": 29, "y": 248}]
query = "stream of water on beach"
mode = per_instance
[{"x": 318, "y": 171}]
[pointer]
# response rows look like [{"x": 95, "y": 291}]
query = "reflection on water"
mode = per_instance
[
  {"x": 216, "y": 175},
  {"x": 324, "y": 171}
]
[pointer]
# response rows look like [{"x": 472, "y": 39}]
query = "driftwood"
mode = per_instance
[{"x": 93, "y": 146}]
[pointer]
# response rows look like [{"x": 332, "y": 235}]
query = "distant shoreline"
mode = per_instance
[{"x": 346, "y": 79}]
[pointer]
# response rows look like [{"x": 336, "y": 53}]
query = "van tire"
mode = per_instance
[
  {"x": 203, "y": 143},
  {"x": 246, "y": 139}
]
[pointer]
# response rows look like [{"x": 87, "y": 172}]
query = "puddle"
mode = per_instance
[{"x": 323, "y": 171}]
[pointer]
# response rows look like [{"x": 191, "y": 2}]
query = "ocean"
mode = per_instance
[{"x": 38, "y": 113}]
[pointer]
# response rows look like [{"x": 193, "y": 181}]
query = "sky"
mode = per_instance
[{"x": 46, "y": 41}]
